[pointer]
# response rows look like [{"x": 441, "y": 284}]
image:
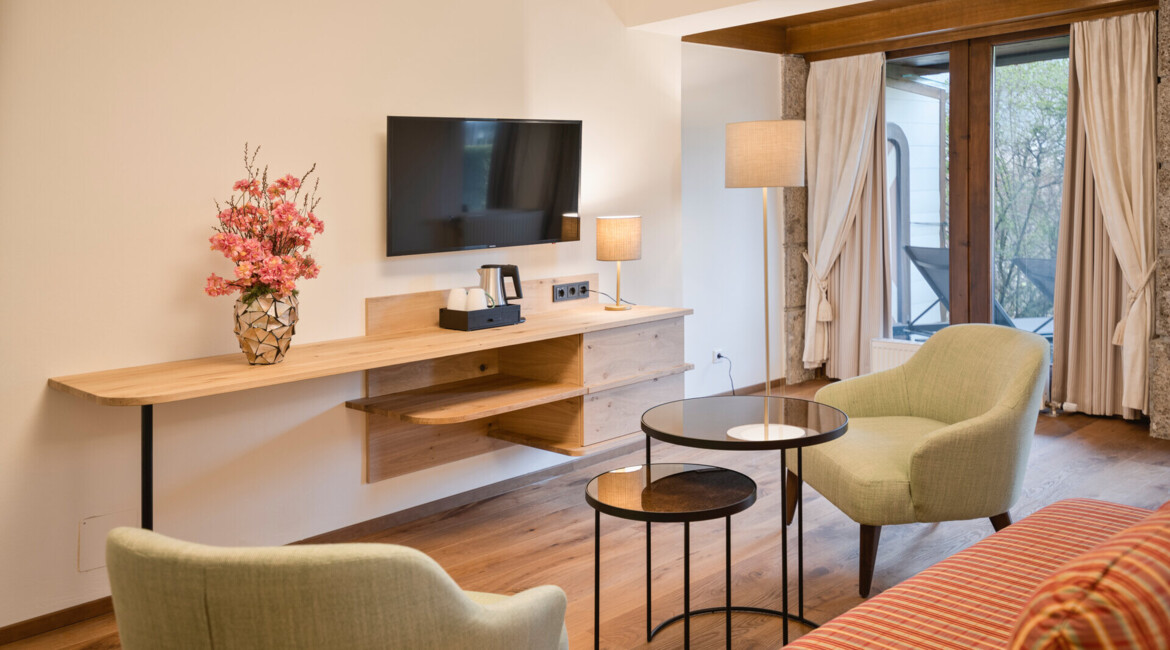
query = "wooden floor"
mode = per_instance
[{"x": 543, "y": 534}]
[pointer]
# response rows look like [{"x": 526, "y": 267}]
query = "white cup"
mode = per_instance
[
  {"x": 457, "y": 300},
  {"x": 476, "y": 299}
]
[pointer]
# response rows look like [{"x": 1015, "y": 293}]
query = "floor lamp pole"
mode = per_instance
[{"x": 767, "y": 326}]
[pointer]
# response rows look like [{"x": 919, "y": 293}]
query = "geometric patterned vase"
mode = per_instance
[{"x": 265, "y": 327}]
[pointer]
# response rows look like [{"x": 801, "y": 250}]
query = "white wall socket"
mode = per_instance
[{"x": 715, "y": 355}]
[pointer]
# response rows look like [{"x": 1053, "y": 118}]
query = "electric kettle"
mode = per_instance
[{"x": 491, "y": 280}]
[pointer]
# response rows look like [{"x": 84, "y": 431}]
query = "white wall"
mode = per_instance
[
  {"x": 121, "y": 120},
  {"x": 723, "y": 272}
]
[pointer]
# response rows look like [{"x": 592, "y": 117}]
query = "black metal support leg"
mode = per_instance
[
  {"x": 687, "y": 584},
  {"x": 784, "y": 544},
  {"x": 148, "y": 466},
  {"x": 649, "y": 626},
  {"x": 727, "y": 576},
  {"x": 649, "y": 629},
  {"x": 596, "y": 580},
  {"x": 800, "y": 532}
]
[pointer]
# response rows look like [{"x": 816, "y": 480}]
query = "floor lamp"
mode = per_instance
[{"x": 765, "y": 154}]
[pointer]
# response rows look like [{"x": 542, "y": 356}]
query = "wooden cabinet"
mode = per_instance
[{"x": 570, "y": 394}]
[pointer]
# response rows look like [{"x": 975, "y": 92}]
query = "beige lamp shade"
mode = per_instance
[
  {"x": 765, "y": 154},
  {"x": 619, "y": 238},
  {"x": 570, "y": 226}
]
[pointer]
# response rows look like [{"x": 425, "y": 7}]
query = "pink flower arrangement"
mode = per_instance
[{"x": 264, "y": 232}]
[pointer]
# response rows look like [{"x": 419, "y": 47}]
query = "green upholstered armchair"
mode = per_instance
[
  {"x": 173, "y": 594},
  {"x": 943, "y": 437}
]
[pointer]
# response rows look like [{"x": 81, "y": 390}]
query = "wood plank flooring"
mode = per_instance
[{"x": 543, "y": 534}]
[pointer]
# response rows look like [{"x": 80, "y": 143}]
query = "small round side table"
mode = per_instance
[{"x": 667, "y": 492}]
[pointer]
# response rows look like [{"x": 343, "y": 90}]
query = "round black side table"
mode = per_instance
[
  {"x": 667, "y": 492},
  {"x": 755, "y": 423}
]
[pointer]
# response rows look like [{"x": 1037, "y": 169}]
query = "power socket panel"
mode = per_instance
[{"x": 570, "y": 291}]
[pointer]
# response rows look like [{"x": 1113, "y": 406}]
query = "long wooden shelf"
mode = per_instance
[
  {"x": 179, "y": 380},
  {"x": 470, "y": 399}
]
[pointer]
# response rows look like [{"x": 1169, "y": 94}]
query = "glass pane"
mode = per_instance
[
  {"x": 1029, "y": 110},
  {"x": 917, "y": 120}
]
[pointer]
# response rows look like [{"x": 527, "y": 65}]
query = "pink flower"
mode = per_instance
[{"x": 217, "y": 286}]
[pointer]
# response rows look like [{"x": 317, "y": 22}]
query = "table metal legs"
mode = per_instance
[
  {"x": 148, "y": 466},
  {"x": 596, "y": 580}
]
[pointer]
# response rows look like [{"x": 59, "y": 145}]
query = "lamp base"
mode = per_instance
[
  {"x": 761, "y": 432},
  {"x": 616, "y": 307}
]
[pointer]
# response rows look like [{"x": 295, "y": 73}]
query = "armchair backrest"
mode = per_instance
[
  {"x": 963, "y": 371},
  {"x": 173, "y": 594}
]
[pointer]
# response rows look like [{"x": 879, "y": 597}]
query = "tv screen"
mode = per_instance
[{"x": 455, "y": 184}]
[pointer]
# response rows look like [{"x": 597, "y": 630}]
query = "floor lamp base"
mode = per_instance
[{"x": 761, "y": 432}]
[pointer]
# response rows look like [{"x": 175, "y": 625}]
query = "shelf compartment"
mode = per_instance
[
  {"x": 470, "y": 399},
  {"x": 567, "y": 449}
]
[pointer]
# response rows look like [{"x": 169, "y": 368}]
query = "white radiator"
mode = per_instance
[{"x": 888, "y": 353}]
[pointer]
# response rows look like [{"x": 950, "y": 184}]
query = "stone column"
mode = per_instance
[
  {"x": 1159, "y": 363},
  {"x": 794, "y": 212}
]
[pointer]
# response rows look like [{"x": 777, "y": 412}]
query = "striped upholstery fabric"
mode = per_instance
[
  {"x": 1115, "y": 596},
  {"x": 971, "y": 600}
]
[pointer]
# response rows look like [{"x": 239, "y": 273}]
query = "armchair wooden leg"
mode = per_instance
[
  {"x": 1001, "y": 521},
  {"x": 869, "y": 545},
  {"x": 790, "y": 503}
]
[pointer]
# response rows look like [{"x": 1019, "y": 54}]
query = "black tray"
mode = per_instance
[{"x": 479, "y": 319}]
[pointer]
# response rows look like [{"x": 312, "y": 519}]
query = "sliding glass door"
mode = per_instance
[{"x": 975, "y": 154}]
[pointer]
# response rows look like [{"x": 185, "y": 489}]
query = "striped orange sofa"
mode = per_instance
[{"x": 1039, "y": 583}]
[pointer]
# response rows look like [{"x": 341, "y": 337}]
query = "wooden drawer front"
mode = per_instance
[
  {"x": 633, "y": 350},
  {"x": 617, "y": 412}
]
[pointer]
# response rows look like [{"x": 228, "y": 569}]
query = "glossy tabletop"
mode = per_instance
[
  {"x": 664, "y": 492},
  {"x": 709, "y": 422}
]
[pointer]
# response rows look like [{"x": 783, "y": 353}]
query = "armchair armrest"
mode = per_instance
[
  {"x": 534, "y": 618},
  {"x": 873, "y": 395},
  {"x": 973, "y": 468}
]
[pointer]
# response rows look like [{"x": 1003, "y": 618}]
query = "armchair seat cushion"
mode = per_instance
[
  {"x": 866, "y": 473},
  {"x": 482, "y": 598}
]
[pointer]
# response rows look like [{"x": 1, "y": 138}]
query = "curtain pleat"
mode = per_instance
[{"x": 1090, "y": 289}]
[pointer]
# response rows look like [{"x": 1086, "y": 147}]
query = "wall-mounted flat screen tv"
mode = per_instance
[{"x": 457, "y": 184}]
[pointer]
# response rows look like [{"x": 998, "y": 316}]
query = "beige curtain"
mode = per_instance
[
  {"x": 1114, "y": 66},
  {"x": 1090, "y": 289},
  {"x": 846, "y": 304}
]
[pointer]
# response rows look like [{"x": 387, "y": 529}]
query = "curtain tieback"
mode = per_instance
[
  {"x": 824, "y": 309},
  {"x": 1130, "y": 299}
]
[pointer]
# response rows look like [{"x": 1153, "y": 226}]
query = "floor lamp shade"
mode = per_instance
[
  {"x": 619, "y": 239},
  {"x": 765, "y": 154}
]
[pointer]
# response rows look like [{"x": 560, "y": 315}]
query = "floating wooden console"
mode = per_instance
[{"x": 574, "y": 378}]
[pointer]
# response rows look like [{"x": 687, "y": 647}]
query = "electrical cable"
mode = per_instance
[
  {"x": 602, "y": 293},
  {"x": 721, "y": 357}
]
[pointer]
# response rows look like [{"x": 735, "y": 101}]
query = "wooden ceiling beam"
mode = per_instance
[
  {"x": 943, "y": 21},
  {"x": 760, "y": 37},
  {"x": 884, "y": 25}
]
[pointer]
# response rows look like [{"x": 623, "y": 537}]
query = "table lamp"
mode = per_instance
[
  {"x": 619, "y": 239},
  {"x": 765, "y": 154}
]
